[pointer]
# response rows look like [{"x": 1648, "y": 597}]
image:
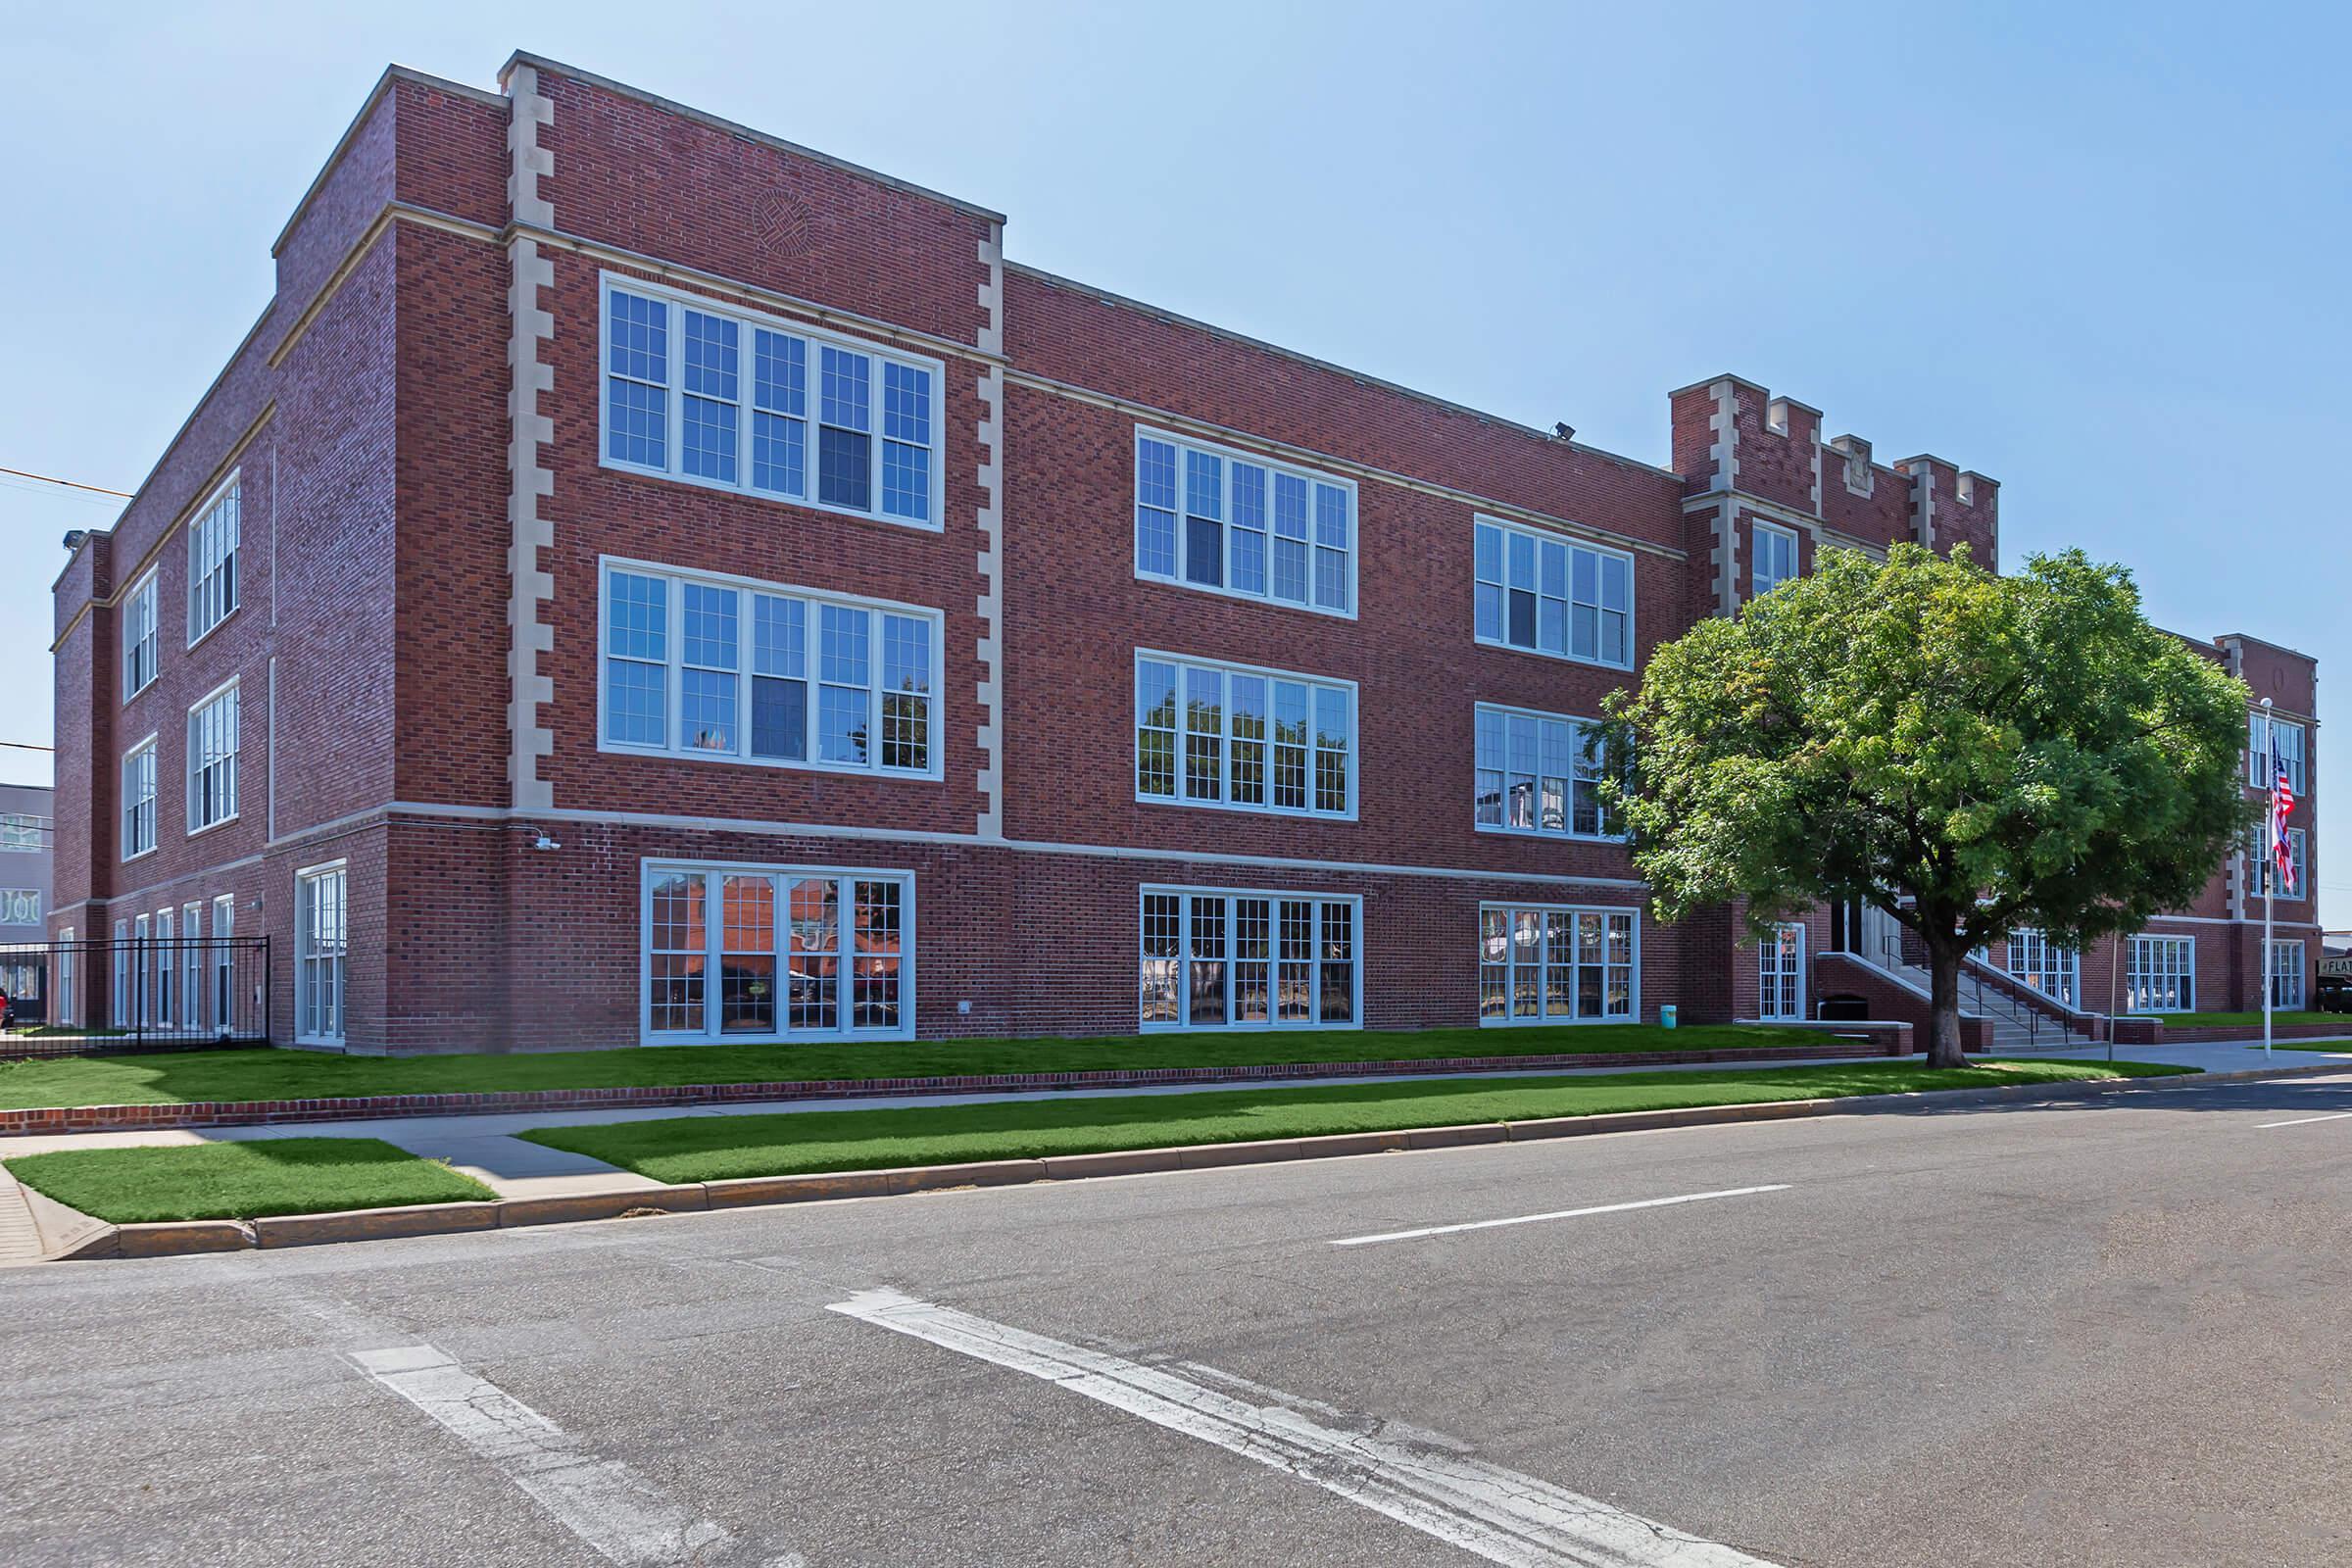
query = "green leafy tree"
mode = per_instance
[{"x": 1972, "y": 754}]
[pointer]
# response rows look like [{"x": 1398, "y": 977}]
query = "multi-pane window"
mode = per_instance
[
  {"x": 2287, "y": 739},
  {"x": 767, "y": 674},
  {"x": 2160, "y": 975},
  {"x": 1541, "y": 963},
  {"x": 191, "y": 967},
  {"x": 2047, "y": 968},
  {"x": 749, "y": 952},
  {"x": 1550, "y": 595},
  {"x": 224, "y": 988},
  {"x": 1775, "y": 559},
  {"x": 212, "y": 759},
  {"x": 1780, "y": 972},
  {"x": 2263, "y": 870},
  {"x": 23, "y": 831},
  {"x": 1250, "y": 739},
  {"x": 724, "y": 398},
  {"x": 1538, "y": 773},
  {"x": 139, "y": 637},
  {"x": 138, "y": 799},
  {"x": 1208, "y": 517},
  {"x": 119, "y": 1013},
  {"x": 166, "y": 967},
  {"x": 19, "y": 906},
  {"x": 1219, "y": 960},
  {"x": 2286, "y": 966},
  {"x": 321, "y": 944},
  {"x": 66, "y": 1005},
  {"x": 212, "y": 562}
]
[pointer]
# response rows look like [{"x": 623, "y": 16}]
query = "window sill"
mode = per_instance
[
  {"x": 1557, "y": 1022},
  {"x": 1244, "y": 1028},
  {"x": 1164, "y": 580},
  {"x": 229, "y": 615},
  {"x": 131, "y": 696},
  {"x": 141, "y": 856},
  {"x": 1546, "y": 653},
  {"x": 784, "y": 764},
  {"x": 1540, "y": 836},
  {"x": 1280, "y": 814},
  {"x": 837, "y": 1037},
  {"x": 223, "y": 821},
  {"x": 770, "y": 497}
]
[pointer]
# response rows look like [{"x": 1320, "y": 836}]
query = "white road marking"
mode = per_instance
[
  {"x": 2303, "y": 1121},
  {"x": 1561, "y": 1213},
  {"x": 603, "y": 1501},
  {"x": 1440, "y": 1491}
]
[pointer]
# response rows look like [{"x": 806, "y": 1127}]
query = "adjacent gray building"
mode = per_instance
[{"x": 25, "y": 860}]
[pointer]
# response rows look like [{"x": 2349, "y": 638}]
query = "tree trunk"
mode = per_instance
[{"x": 1943, "y": 1007}]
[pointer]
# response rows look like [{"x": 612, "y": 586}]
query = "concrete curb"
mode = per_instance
[{"x": 435, "y": 1219}]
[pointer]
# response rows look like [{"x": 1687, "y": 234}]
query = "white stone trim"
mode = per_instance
[
  {"x": 531, "y": 585},
  {"x": 1923, "y": 504},
  {"x": 990, "y": 651}
]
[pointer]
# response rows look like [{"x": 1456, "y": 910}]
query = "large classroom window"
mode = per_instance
[
  {"x": 138, "y": 638},
  {"x": 1216, "y": 958},
  {"x": 138, "y": 799},
  {"x": 212, "y": 759},
  {"x": 212, "y": 560},
  {"x": 1210, "y": 517},
  {"x": 738, "y": 670},
  {"x": 1538, "y": 773},
  {"x": 2160, "y": 975},
  {"x": 2286, "y": 966},
  {"x": 2263, "y": 871},
  {"x": 2287, "y": 739},
  {"x": 1545, "y": 963},
  {"x": 1242, "y": 737},
  {"x": 1775, "y": 558},
  {"x": 322, "y": 945},
  {"x": 767, "y": 953},
  {"x": 1549, "y": 595},
  {"x": 2047, "y": 968},
  {"x": 724, "y": 397},
  {"x": 1780, "y": 972}
]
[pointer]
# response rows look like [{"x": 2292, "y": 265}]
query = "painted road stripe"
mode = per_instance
[
  {"x": 2304, "y": 1121},
  {"x": 1559, "y": 1213},
  {"x": 1431, "y": 1485},
  {"x": 603, "y": 1501}
]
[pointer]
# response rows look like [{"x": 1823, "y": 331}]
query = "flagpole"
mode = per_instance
[{"x": 2270, "y": 869}]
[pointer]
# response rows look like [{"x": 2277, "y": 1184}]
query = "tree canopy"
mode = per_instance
[{"x": 1971, "y": 752}]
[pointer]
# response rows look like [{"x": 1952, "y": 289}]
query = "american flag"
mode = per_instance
[{"x": 2282, "y": 802}]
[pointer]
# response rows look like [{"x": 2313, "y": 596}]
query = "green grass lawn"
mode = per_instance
[
  {"x": 2199, "y": 1020},
  {"x": 241, "y": 1180},
  {"x": 690, "y": 1149},
  {"x": 265, "y": 1074}
]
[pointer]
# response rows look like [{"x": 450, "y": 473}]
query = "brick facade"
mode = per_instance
[{"x": 417, "y": 427}]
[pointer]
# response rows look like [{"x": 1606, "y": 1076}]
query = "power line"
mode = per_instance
[
  {"x": 27, "y": 746},
  {"x": 70, "y": 484}
]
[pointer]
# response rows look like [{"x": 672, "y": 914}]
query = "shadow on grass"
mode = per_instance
[{"x": 241, "y": 1180}]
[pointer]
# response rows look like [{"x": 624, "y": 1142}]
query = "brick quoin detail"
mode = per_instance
[{"x": 414, "y": 421}]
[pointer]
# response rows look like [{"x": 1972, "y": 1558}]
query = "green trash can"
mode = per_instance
[{"x": 1666, "y": 1016}]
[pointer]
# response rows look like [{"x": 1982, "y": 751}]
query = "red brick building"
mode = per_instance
[{"x": 645, "y": 580}]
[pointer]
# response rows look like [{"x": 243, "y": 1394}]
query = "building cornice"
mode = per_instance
[{"x": 384, "y": 85}]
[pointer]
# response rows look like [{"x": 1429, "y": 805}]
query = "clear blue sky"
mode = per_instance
[{"x": 2097, "y": 252}]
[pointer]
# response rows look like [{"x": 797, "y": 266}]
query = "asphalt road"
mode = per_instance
[{"x": 2097, "y": 1332}]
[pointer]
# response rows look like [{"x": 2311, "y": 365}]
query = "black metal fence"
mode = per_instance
[{"x": 68, "y": 998}]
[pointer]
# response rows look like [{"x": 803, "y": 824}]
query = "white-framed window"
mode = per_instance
[
  {"x": 66, "y": 1005},
  {"x": 1550, "y": 963},
  {"x": 1242, "y": 737},
  {"x": 139, "y": 637},
  {"x": 212, "y": 759},
  {"x": 138, "y": 799},
  {"x": 755, "y": 953},
  {"x": 21, "y": 830},
  {"x": 213, "y": 560},
  {"x": 2287, "y": 737},
  {"x": 225, "y": 975},
  {"x": 122, "y": 1015},
  {"x": 142, "y": 983},
  {"x": 1780, "y": 972},
  {"x": 19, "y": 906},
  {"x": 2047, "y": 968},
  {"x": 2264, "y": 871},
  {"x": 734, "y": 669},
  {"x": 2160, "y": 975},
  {"x": 1228, "y": 959},
  {"x": 2286, "y": 966},
  {"x": 166, "y": 967},
  {"x": 1538, "y": 773},
  {"x": 321, "y": 949},
  {"x": 1774, "y": 550},
  {"x": 1231, "y": 523},
  {"x": 1545, "y": 594},
  {"x": 191, "y": 964},
  {"x": 714, "y": 395}
]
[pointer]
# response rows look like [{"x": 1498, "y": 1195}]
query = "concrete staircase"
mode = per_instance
[{"x": 2017, "y": 1029}]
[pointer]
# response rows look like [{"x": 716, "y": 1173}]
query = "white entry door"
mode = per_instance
[{"x": 1781, "y": 973}]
